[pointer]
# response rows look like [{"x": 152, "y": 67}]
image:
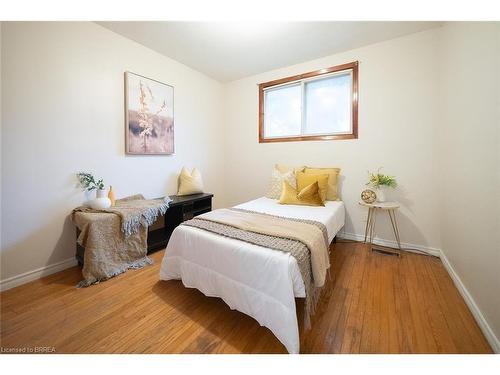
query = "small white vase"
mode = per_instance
[
  {"x": 101, "y": 201},
  {"x": 100, "y": 193},
  {"x": 380, "y": 192}
]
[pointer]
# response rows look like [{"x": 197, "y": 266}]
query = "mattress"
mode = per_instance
[
  {"x": 257, "y": 281},
  {"x": 332, "y": 216}
]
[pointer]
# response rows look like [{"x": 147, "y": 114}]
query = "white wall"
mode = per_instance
[
  {"x": 0, "y": 141},
  {"x": 398, "y": 89},
  {"x": 470, "y": 162},
  {"x": 63, "y": 112}
]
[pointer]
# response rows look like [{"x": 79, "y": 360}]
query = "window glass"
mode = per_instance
[
  {"x": 328, "y": 105},
  {"x": 282, "y": 111}
]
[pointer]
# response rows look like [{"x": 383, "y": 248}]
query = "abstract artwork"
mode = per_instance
[{"x": 149, "y": 116}]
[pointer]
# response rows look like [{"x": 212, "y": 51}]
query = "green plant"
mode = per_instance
[
  {"x": 88, "y": 182},
  {"x": 378, "y": 179}
]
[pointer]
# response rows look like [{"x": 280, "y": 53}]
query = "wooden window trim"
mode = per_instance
[{"x": 354, "y": 135}]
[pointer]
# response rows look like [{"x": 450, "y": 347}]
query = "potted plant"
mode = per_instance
[
  {"x": 89, "y": 183},
  {"x": 380, "y": 182}
]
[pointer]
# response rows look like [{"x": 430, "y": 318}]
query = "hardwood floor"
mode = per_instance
[{"x": 375, "y": 303}]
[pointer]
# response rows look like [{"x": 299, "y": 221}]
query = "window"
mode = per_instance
[{"x": 319, "y": 105}]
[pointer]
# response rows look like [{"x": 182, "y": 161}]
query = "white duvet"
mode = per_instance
[{"x": 257, "y": 281}]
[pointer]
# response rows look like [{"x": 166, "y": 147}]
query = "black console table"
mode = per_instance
[{"x": 181, "y": 208}]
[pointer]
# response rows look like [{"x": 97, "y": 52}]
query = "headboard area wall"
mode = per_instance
[{"x": 398, "y": 84}]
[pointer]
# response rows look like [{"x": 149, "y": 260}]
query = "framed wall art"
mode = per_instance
[{"x": 149, "y": 116}]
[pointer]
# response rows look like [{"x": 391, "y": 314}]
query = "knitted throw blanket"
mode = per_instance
[
  {"x": 290, "y": 244},
  {"x": 134, "y": 211},
  {"x": 115, "y": 239}
]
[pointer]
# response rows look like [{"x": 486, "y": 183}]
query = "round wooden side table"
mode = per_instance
[{"x": 373, "y": 208}]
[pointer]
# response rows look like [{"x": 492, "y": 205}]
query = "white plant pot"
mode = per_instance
[
  {"x": 89, "y": 196},
  {"x": 101, "y": 193},
  {"x": 101, "y": 202},
  {"x": 380, "y": 194}
]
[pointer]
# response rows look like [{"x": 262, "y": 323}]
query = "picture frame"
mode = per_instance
[{"x": 149, "y": 116}]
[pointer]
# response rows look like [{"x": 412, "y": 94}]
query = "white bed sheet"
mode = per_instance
[{"x": 257, "y": 281}]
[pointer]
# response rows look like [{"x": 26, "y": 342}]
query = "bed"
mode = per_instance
[{"x": 261, "y": 284}]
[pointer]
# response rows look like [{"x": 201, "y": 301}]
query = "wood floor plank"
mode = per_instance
[
  {"x": 352, "y": 287},
  {"x": 439, "y": 327},
  {"x": 356, "y": 317},
  {"x": 352, "y": 335},
  {"x": 425, "y": 340},
  {"x": 373, "y": 303},
  {"x": 405, "y": 329},
  {"x": 462, "y": 323},
  {"x": 324, "y": 330},
  {"x": 368, "y": 326}
]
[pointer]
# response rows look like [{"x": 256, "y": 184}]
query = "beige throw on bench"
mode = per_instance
[{"x": 115, "y": 238}]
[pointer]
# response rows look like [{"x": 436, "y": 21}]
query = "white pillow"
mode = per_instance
[
  {"x": 190, "y": 183},
  {"x": 276, "y": 185}
]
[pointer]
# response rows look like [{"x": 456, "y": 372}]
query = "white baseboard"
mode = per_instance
[
  {"x": 478, "y": 316},
  {"x": 26, "y": 277},
  {"x": 393, "y": 244},
  {"x": 481, "y": 321}
]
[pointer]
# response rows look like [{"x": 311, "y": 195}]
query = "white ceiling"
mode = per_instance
[{"x": 227, "y": 51}]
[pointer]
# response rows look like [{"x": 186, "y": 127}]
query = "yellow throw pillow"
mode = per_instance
[
  {"x": 304, "y": 179},
  {"x": 285, "y": 168},
  {"x": 190, "y": 183},
  {"x": 333, "y": 173},
  {"x": 309, "y": 196}
]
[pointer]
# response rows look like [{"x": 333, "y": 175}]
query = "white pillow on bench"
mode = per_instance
[{"x": 190, "y": 183}]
